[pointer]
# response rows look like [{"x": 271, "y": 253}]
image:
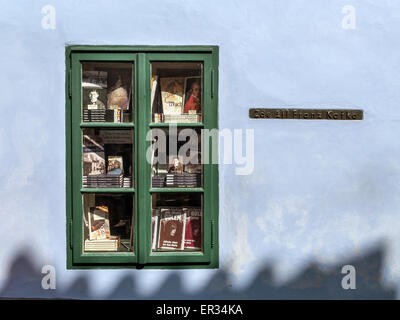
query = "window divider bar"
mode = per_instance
[{"x": 141, "y": 128}]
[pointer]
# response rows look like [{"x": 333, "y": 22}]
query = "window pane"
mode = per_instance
[
  {"x": 176, "y": 92},
  {"x": 177, "y": 222},
  {"x": 107, "y": 158},
  {"x": 108, "y": 222},
  {"x": 107, "y": 94},
  {"x": 176, "y": 158}
]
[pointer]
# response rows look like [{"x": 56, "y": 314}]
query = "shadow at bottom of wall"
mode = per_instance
[{"x": 24, "y": 281}]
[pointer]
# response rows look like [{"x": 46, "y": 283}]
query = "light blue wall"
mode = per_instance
[{"x": 322, "y": 194}]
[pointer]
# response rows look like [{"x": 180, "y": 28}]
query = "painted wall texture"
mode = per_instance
[{"x": 323, "y": 194}]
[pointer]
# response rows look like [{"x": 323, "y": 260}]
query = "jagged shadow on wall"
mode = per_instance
[{"x": 313, "y": 282}]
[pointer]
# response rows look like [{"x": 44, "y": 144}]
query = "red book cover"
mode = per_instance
[
  {"x": 193, "y": 229},
  {"x": 171, "y": 229}
]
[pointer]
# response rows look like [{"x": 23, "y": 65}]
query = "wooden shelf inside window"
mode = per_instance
[
  {"x": 107, "y": 125},
  {"x": 107, "y": 190},
  {"x": 173, "y": 190},
  {"x": 179, "y": 125}
]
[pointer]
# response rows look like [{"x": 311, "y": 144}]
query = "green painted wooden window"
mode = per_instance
[{"x": 115, "y": 96}]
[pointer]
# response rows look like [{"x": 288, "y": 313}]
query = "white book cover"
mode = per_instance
[{"x": 154, "y": 228}]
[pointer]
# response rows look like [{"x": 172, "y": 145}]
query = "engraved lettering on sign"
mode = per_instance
[{"x": 306, "y": 114}]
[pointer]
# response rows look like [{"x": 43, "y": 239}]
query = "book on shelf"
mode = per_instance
[
  {"x": 171, "y": 229},
  {"x": 158, "y": 181},
  {"x": 103, "y": 181},
  {"x": 154, "y": 88},
  {"x": 154, "y": 227},
  {"x": 115, "y": 165},
  {"x": 127, "y": 182},
  {"x": 99, "y": 223},
  {"x": 93, "y": 155},
  {"x": 182, "y": 118},
  {"x": 193, "y": 228},
  {"x": 192, "y": 97},
  {"x": 111, "y": 244},
  {"x": 172, "y": 91},
  {"x": 177, "y": 228},
  {"x": 183, "y": 180},
  {"x": 119, "y": 93}
]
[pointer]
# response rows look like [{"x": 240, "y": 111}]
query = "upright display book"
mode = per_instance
[
  {"x": 118, "y": 95},
  {"x": 172, "y": 91},
  {"x": 192, "y": 95},
  {"x": 93, "y": 155},
  {"x": 99, "y": 223},
  {"x": 193, "y": 228},
  {"x": 115, "y": 165},
  {"x": 154, "y": 86},
  {"x": 154, "y": 228},
  {"x": 171, "y": 229}
]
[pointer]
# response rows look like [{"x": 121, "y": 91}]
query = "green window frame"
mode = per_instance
[{"x": 142, "y": 256}]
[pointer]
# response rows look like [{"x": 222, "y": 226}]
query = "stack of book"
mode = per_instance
[
  {"x": 127, "y": 182},
  {"x": 188, "y": 180},
  {"x": 103, "y": 181},
  {"x": 102, "y": 245},
  {"x": 158, "y": 181},
  {"x": 179, "y": 118}
]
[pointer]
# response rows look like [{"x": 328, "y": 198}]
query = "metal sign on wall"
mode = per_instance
[{"x": 306, "y": 114}]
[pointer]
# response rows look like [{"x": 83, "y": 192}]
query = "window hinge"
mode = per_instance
[
  {"x": 70, "y": 234},
  {"x": 212, "y": 233}
]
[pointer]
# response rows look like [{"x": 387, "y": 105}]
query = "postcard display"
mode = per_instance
[
  {"x": 107, "y": 155},
  {"x": 176, "y": 97}
]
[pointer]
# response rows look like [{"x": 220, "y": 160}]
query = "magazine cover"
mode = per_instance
[
  {"x": 171, "y": 229},
  {"x": 193, "y": 229},
  {"x": 172, "y": 95},
  {"x": 93, "y": 155},
  {"x": 99, "y": 223},
  {"x": 115, "y": 165}
]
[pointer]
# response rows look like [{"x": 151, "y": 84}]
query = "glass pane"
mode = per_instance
[
  {"x": 176, "y": 92},
  {"x": 176, "y": 158},
  {"x": 177, "y": 222},
  {"x": 107, "y": 158},
  {"x": 107, "y": 94},
  {"x": 107, "y": 222}
]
